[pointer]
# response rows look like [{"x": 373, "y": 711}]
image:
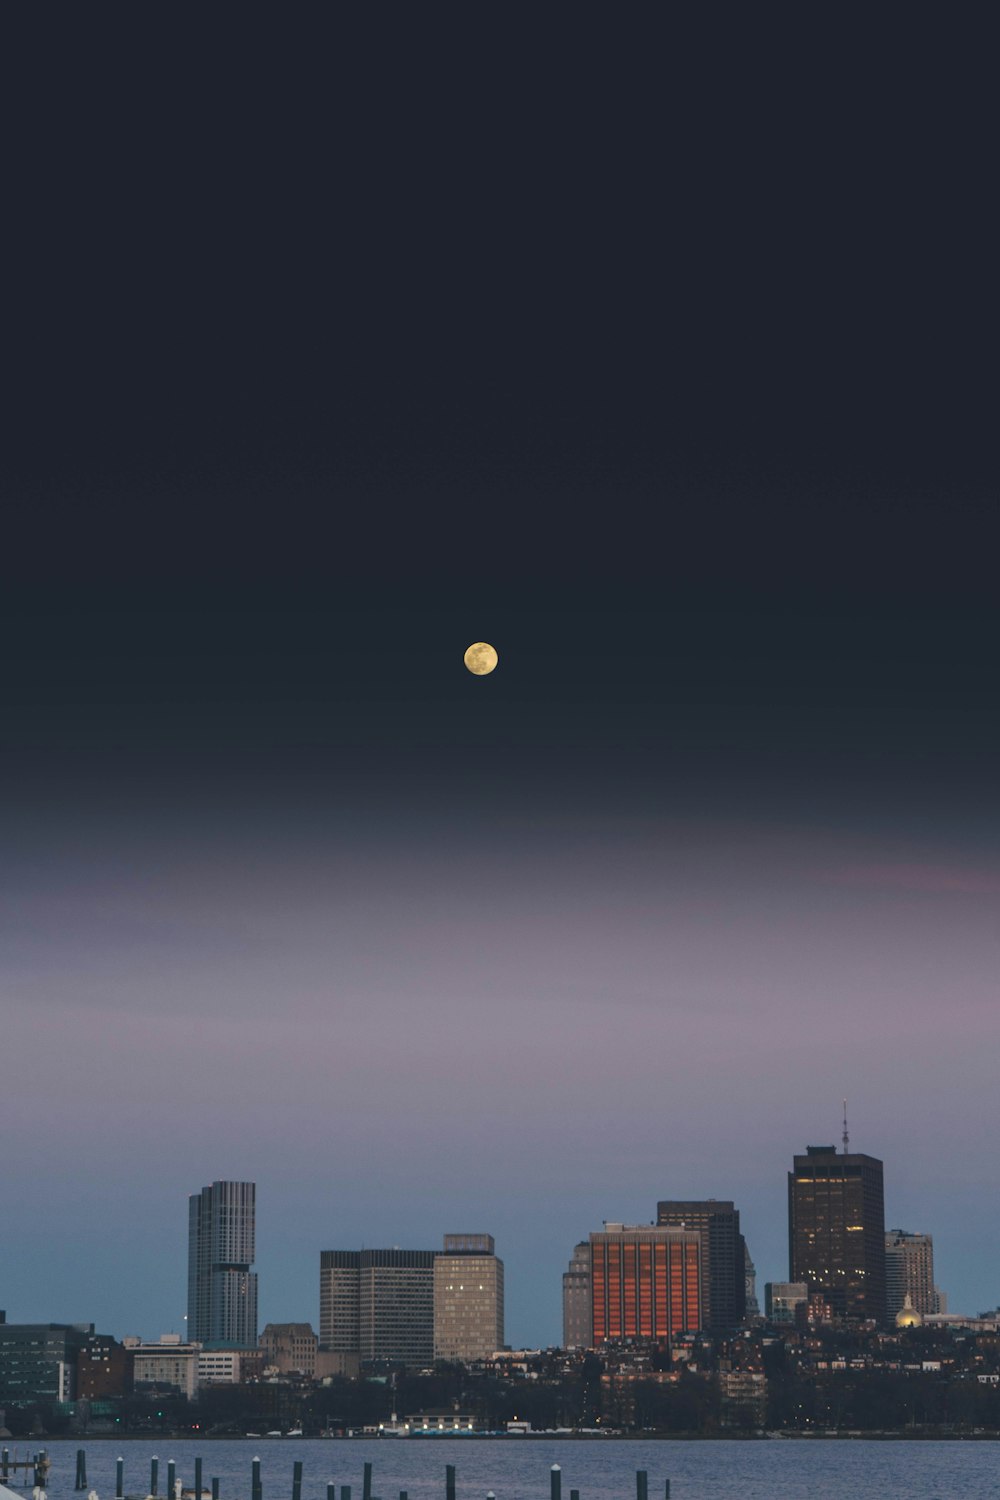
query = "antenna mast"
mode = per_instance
[{"x": 844, "y": 1137}]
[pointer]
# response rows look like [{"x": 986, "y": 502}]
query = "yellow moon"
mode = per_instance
[{"x": 481, "y": 658}]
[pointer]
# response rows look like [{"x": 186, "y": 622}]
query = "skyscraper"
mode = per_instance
[
  {"x": 723, "y": 1256},
  {"x": 645, "y": 1283},
  {"x": 378, "y": 1305},
  {"x": 836, "y": 1230},
  {"x": 909, "y": 1269},
  {"x": 468, "y": 1298},
  {"x": 578, "y": 1326},
  {"x": 222, "y": 1289}
]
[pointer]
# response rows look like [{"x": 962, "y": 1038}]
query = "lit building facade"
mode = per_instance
[
  {"x": 578, "y": 1322},
  {"x": 836, "y": 1231},
  {"x": 222, "y": 1289},
  {"x": 645, "y": 1283},
  {"x": 468, "y": 1299}
]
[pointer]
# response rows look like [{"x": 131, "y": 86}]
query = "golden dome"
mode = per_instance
[{"x": 908, "y": 1317}]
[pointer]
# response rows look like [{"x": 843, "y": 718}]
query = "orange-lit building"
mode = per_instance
[{"x": 645, "y": 1284}]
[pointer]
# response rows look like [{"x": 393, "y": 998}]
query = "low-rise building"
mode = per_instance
[
  {"x": 743, "y": 1398},
  {"x": 170, "y": 1363},
  {"x": 228, "y": 1366},
  {"x": 290, "y": 1348},
  {"x": 103, "y": 1369},
  {"x": 781, "y": 1298},
  {"x": 38, "y": 1361}
]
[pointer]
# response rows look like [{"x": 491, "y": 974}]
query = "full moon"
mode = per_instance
[{"x": 481, "y": 658}]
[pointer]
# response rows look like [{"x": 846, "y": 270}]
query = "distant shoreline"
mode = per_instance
[{"x": 81, "y": 1440}]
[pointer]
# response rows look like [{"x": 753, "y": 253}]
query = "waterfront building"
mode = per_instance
[
  {"x": 578, "y": 1325},
  {"x": 723, "y": 1257},
  {"x": 645, "y": 1283},
  {"x": 222, "y": 1289},
  {"x": 38, "y": 1361},
  {"x": 836, "y": 1230},
  {"x": 909, "y": 1272},
  {"x": 170, "y": 1363},
  {"x": 468, "y": 1299}
]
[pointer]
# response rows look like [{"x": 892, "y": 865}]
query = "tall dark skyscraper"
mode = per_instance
[
  {"x": 222, "y": 1289},
  {"x": 836, "y": 1230},
  {"x": 723, "y": 1256}
]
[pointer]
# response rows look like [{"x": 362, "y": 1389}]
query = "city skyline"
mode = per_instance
[
  {"x": 673, "y": 385},
  {"x": 222, "y": 1218}
]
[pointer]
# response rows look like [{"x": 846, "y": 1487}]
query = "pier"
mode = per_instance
[{"x": 38, "y": 1464}]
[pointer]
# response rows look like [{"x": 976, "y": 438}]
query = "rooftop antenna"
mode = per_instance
[{"x": 844, "y": 1137}]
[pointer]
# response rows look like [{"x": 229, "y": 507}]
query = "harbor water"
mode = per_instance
[{"x": 520, "y": 1469}]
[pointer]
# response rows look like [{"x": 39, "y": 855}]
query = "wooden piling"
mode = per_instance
[
  {"x": 366, "y": 1489},
  {"x": 171, "y": 1479},
  {"x": 449, "y": 1481},
  {"x": 154, "y": 1476},
  {"x": 255, "y": 1484},
  {"x": 297, "y": 1480},
  {"x": 119, "y": 1478},
  {"x": 641, "y": 1484},
  {"x": 81, "y": 1469},
  {"x": 555, "y": 1482}
]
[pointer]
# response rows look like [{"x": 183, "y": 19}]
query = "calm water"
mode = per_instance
[{"x": 518, "y": 1469}]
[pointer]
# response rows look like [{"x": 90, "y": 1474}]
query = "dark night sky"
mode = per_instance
[{"x": 661, "y": 356}]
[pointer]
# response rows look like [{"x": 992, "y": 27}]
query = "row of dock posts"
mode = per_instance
[
  {"x": 555, "y": 1486},
  {"x": 40, "y": 1464}
]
